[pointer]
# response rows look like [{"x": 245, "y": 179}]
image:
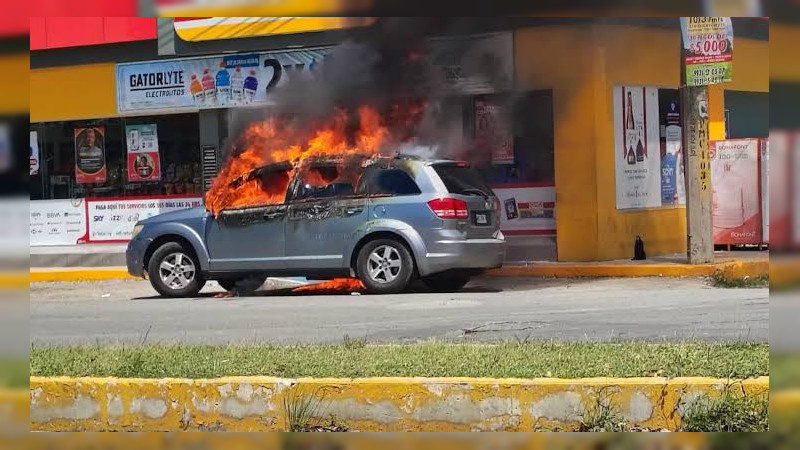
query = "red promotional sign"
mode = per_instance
[
  {"x": 779, "y": 186},
  {"x": 90, "y": 155},
  {"x": 144, "y": 163},
  {"x": 736, "y": 204},
  {"x": 493, "y": 129}
]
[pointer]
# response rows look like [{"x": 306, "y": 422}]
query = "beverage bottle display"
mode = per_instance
[
  {"x": 223, "y": 84},
  {"x": 208, "y": 86},
  {"x": 237, "y": 85},
  {"x": 631, "y": 136},
  {"x": 639, "y": 151},
  {"x": 196, "y": 89},
  {"x": 250, "y": 86}
]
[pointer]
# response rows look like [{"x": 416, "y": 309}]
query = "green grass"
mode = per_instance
[
  {"x": 731, "y": 412},
  {"x": 14, "y": 373},
  {"x": 356, "y": 358},
  {"x": 721, "y": 281}
]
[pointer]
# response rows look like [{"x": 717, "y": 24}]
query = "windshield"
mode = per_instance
[{"x": 462, "y": 180}]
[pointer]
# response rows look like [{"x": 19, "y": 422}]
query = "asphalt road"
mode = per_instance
[{"x": 488, "y": 309}]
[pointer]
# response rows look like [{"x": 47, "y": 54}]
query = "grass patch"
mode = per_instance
[
  {"x": 14, "y": 373},
  {"x": 721, "y": 281},
  {"x": 356, "y": 358},
  {"x": 731, "y": 412}
]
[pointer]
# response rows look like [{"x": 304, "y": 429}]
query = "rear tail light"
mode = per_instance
[{"x": 449, "y": 208}]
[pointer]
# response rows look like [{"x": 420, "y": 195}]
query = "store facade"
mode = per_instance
[{"x": 552, "y": 123}]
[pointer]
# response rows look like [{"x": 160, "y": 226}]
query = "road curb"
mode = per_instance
[
  {"x": 368, "y": 404},
  {"x": 729, "y": 269}
]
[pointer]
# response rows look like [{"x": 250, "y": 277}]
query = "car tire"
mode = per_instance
[
  {"x": 445, "y": 282},
  {"x": 245, "y": 285},
  {"x": 385, "y": 266},
  {"x": 174, "y": 271}
]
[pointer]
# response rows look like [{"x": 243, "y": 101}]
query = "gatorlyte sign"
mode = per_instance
[{"x": 707, "y": 50}]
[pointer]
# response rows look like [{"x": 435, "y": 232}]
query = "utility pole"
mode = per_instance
[{"x": 697, "y": 170}]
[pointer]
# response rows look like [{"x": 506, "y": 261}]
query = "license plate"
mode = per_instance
[{"x": 480, "y": 219}]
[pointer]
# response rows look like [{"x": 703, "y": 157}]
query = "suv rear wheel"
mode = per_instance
[
  {"x": 445, "y": 282},
  {"x": 385, "y": 266},
  {"x": 243, "y": 285},
  {"x": 174, "y": 271}
]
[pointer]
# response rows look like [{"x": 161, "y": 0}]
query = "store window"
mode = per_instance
[
  {"x": 102, "y": 162},
  {"x": 521, "y": 134}
]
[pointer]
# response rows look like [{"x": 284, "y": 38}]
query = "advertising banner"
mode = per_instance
[
  {"x": 527, "y": 210},
  {"x": 735, "y": 203},
  {"x": 57, "y": 222},
  {"x": 637, "y": 155},
  {"x": 112, "y": 219},
  {"x": 143, "y": 159},
  {"x": 707, "y": 50},
  {"x": 90, "y": 155},
  {"x": 764, "y": 163},
  {"x": 780, "y": 186},
  {"x": 34, "y": 153},
  {"x": 6, "y": 155},
  {"x": 673, "y": 189},
  {"x": 210, "y": 82},
  {"x": 493, "y": 130}
]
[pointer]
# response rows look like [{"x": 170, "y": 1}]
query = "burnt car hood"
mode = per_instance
[{"x": 181, "y": 215}]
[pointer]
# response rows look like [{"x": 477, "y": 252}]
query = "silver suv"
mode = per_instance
[{"x": 397, "y": 219}]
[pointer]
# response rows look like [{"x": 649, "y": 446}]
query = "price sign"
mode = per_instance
[{"x": 707, "y": 50}]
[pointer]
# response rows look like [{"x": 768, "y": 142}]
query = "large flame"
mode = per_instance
[
  {"x": 334, "y": 286},
  {"x": 364, "y": 132}
]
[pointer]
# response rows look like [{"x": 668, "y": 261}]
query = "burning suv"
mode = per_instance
[{"x": 387, "y": 222}]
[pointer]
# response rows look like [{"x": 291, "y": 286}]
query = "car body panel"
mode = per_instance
[{"x": 247, "y": 239}]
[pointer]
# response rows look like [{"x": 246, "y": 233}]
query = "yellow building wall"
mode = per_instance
[
  {"x": 13, "y": 85},
  {"x": 73, "y": 92},
  {"x": 582, "y": 64}
]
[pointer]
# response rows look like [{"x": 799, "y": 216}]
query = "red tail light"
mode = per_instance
[{"x": 449, "y": 208}]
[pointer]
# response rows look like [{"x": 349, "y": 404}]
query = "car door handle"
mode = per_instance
[
  {"x": 353, "y": 211},
  {"x": 273, "y": 215}
]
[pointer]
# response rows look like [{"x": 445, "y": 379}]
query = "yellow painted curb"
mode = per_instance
[
  {"x": 369, "y": 404},
  {"x": 784, "y": 271},
  {"x": 731, "y": 269},
  {"x": 80, "y": 274},
  {"x": 14, "y": 280}
]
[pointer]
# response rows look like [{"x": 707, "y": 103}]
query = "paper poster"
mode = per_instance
[
  {"x": 210, "y": 82},
  {"x": 144, "y": 163},
  {"x": 673, "y": 189},
  {"x": 34, "y": 153},
  {"x": 527, "y": 210},
  {"x": 90, "y": 155},
  {"x": 707, "y": 50},
  {"x": 112, "y": 220},
  {"x": 735, "y": 203},
  {"x": 637, "y": 156},
  {"x": 780, "y": 185},
  {"x": 57, "y": 222},
  {"x": 493, "y": 130}
]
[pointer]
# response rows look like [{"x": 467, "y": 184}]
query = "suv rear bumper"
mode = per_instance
[{"x": 465, "y": 254}]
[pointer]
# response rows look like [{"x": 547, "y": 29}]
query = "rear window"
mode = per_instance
[
  {"x": 388, "y": 182},
  {"x": 462, "y": 180}
]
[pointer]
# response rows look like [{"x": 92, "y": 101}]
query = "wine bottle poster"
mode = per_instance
[{"x": 637, "y": 155}]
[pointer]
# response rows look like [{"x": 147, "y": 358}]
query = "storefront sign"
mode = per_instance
[
  {"x": 57, "y": 222},
  {"x": 764, "y": 162},
  {"x": 493, "y": 130},
  {"x": 112, "y": 220},
  {"x": 735, "y": 204},
  {"x": 34, "y": 153},
  {"x": 144, "y": 163},
  {"x": 527, "y": 210},
  {"x": 637, "y": 158},
  {"x": 475, "y": 64},
  {"x": 707, "y": 50},
  {"x": 90, "y": 155},
  {"x": 210, "y": 82}
]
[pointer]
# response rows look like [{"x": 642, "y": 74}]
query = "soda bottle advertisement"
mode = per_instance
[
  {"x": 90, "y": 155},
  {"x": 210, "y": 82},
  {"x": 144, "y": 163}
]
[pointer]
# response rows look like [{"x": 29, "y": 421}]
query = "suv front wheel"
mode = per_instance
[
  {"x": 173, "y": 271},
  {"x": 385, "y": 266}
]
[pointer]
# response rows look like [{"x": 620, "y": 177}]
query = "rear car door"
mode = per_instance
[
  {"x": 250, "y": 238},
  {"x": 321, "y": 221}
]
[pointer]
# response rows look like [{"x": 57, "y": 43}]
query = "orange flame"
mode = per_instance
[
  {"x": 334, "y": 286},
  {"x": 277, "y": 139}
]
